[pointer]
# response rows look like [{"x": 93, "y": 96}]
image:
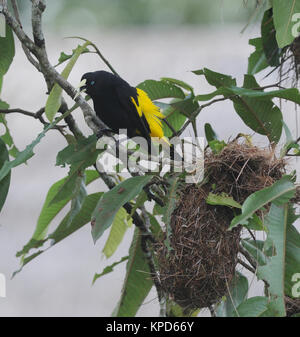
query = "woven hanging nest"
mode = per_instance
[{"x": 199, "y": 268}]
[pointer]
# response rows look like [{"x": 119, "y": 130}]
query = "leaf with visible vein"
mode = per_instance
[
  {"x": 113, "y": 200},
  {"x": 222, "y": 200},
  {"x": 161, "y": 89},
  {"x": 116, "y": 234},
  {"x": 137, "y": 283},
  {"x": 179, "y": 83},
  {"x": 109, "y": 269},
  {"x": 7, "y": 138},
  {"x": 279, "y": 193},
  {"x": 252, "y": 307},
  {"x": 49, "y": 212},
  {"x": 237, "y": 293},
  {"x": 7, "y": 51},
  {"x": 62, "y": 231},
  {"x": 4, "y": 186},
  {"x": 273, "y": 272},
  {"x": 54, "y": 100},
  {"x": 257, "y": 60},
  {"x": 285, "y": 20}
]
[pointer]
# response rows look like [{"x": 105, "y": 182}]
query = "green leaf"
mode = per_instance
[
  {"x": 113, "y": 200},
  {"x": 7, "y": 51},
  {"x": 268, "y": 35},
  {"x": 169, "y": 208},
  {"x": 187, "y": 106},
  {"x": 290, "y": 143},
  {"x": 62, "y": 231},
  {"x": 4, "y": 186},
  {"x": 78, "y": 196},
  {"x": 256, "y": 223},
  {"x": 291, "y": 94},
  {"x": 175, "y": 118},
  {"x": 255, "y": 248},
  {"x": 54, "y": 100},
  {"x": 279, "y": 193},
  {"x": 286, "y": 21},
  {"x": 216, "y": 145},
  {"x": 155, "y": 227},
  {"x": 49, "y": 212},
  {"x": 161, "y": 89},
  {"x": 252, "y": 307},
  {"x": 117, "y": 232},
  {"x": 68, "y": 189},
  {"x": 137, "y": 283},
  {"x": 140, "y": 200},
  {"x": 80, "y": 156},
  {"x": 209, "y": 133},
  {"x": 109, "y": 269},
  {"x": 251, "y": 89},
  {"x": 82, "y": 218},
  {"x": 215, "y": 79},
  {"x": 175, "y": 310},
  {"x": 21, "y": 158},
  {"x": 274, "y": 271},
  {"x": 179, "y": 83},
  {"x": 222, "y": 199},
  {"x": 238, "y": 292},
  {"x": 83, "y": 150},
  {"x": 257, "y": 60},
  {"x": 262, "y": 116},
  {"x": 7, "y": 138},
  {"x": 64, "y": 57},
  {"x": 292, "y": 257},
  {"x": 253, "y": 105},
  {"x": 284, "y": 239}
]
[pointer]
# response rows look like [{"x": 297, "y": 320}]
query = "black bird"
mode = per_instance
[{"x": 121, "y": 106}]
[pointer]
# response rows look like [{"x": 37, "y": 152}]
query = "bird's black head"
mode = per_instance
[{"x": 96, "y": 81}]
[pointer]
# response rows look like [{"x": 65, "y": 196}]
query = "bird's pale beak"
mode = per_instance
[{"x": 81, "y": 88}]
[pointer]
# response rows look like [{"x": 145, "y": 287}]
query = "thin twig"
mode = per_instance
[
  {"x": 147, "y": 251},
  {"x": 49, "y": 72},
  {"x": 97, "y": 52},
  {"x": 196, "y": 113},
  {"x": 248, "y": 257},
  {"x": 138, "y": 221},
  {"x": 241, "y": 262}
]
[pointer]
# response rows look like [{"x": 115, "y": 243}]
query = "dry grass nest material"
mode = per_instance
[
  {"x": 292, "y": 306},
  {"x": 200, "y": 266}
]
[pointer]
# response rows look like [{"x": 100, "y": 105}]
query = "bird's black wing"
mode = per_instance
[{"x": 124, "y": 94}]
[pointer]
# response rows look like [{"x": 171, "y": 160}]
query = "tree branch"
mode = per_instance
[
  {"x": 26, "y": 51},
  {"x": 36, "y": 115},
  {"x": 38, "y": 7},
  {"x": 248, "y": 257},
  {"x": 50, "y": 74},
  {"x": 196, "y": 113}
]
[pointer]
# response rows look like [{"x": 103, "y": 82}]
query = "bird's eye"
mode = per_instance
[{"x": 92, "y": 83}]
